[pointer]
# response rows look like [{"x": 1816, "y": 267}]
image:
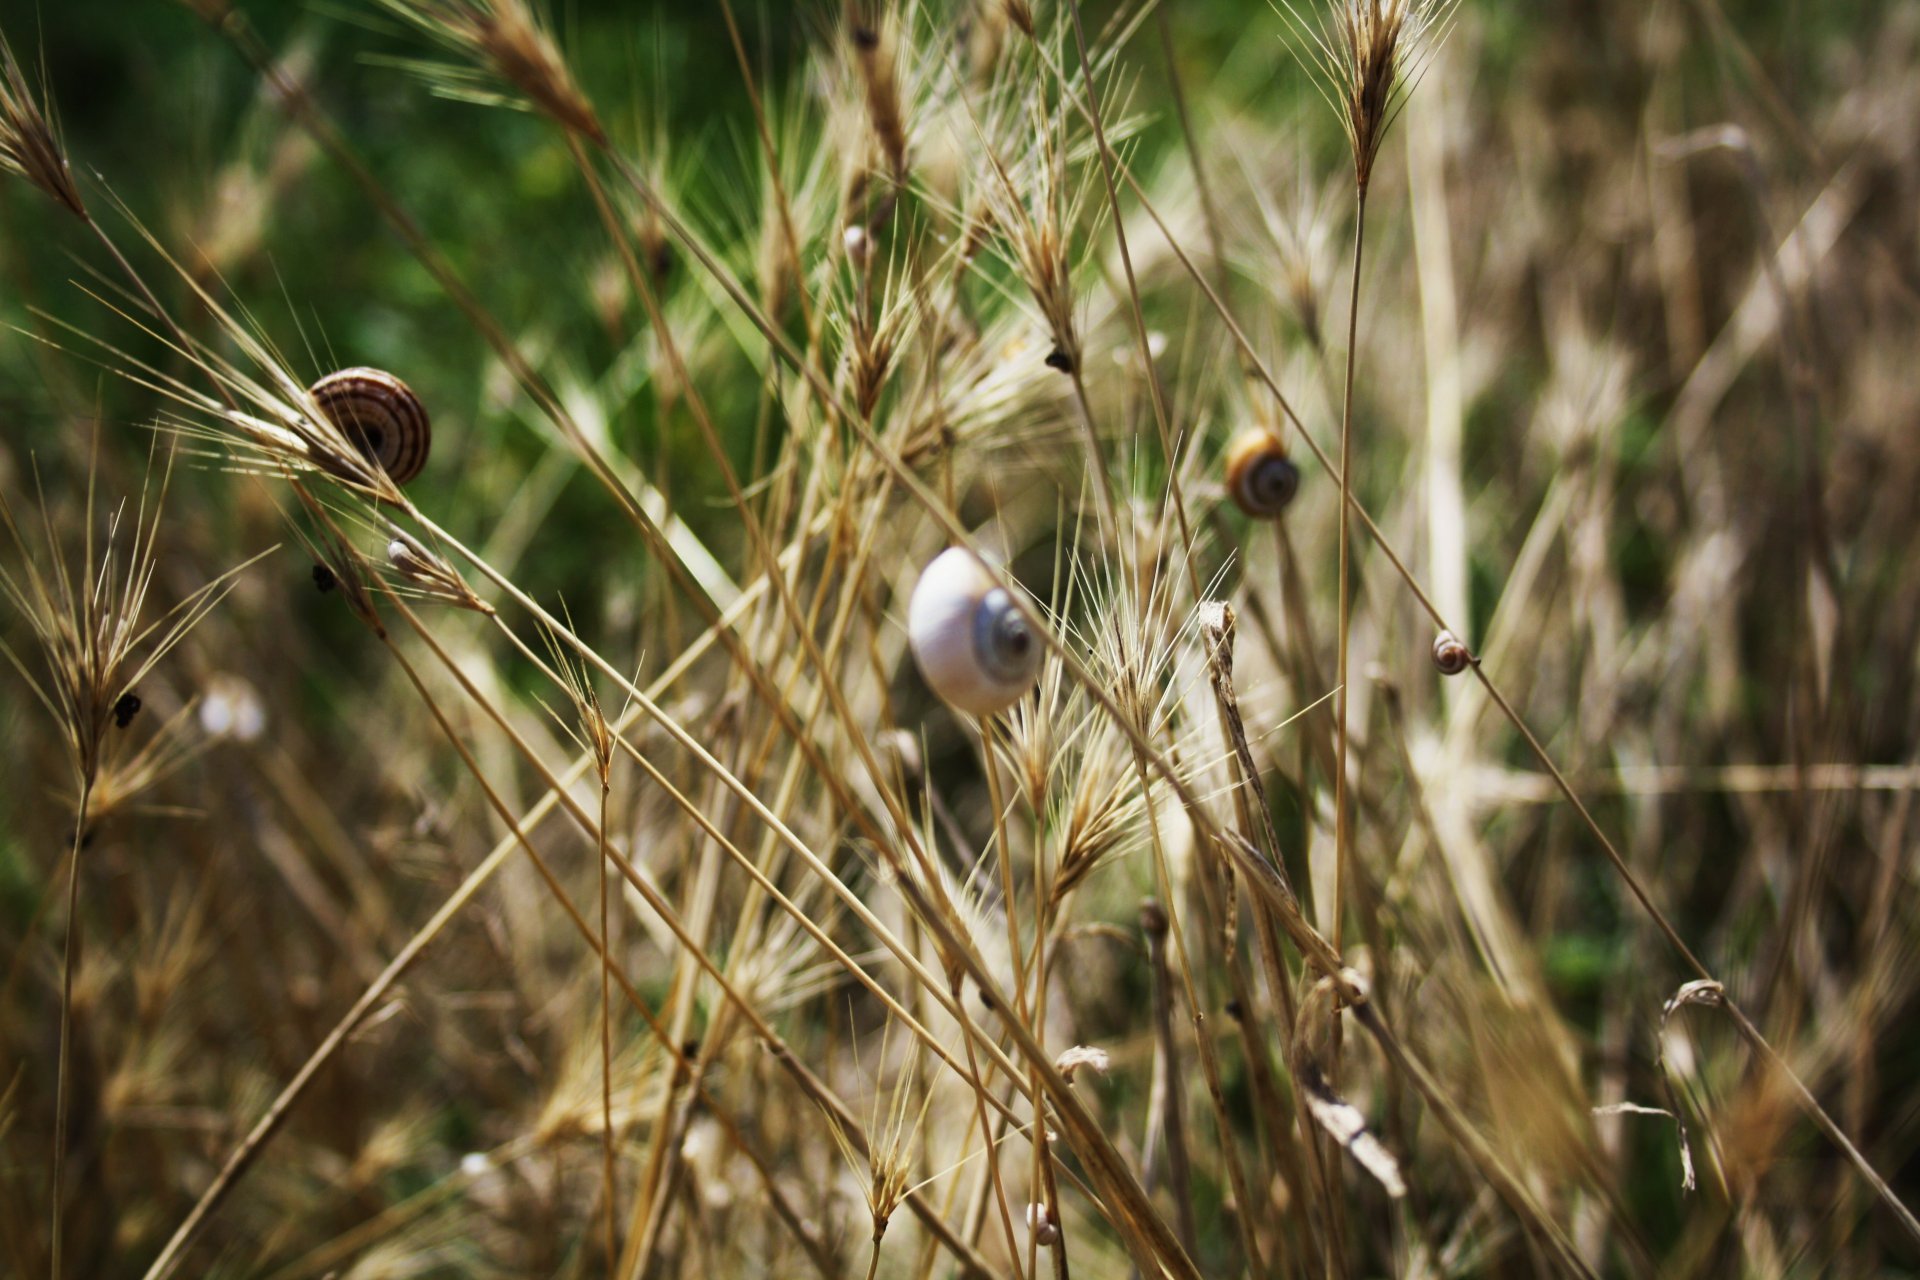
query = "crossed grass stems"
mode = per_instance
[{"x": 1028, "y": 1071}]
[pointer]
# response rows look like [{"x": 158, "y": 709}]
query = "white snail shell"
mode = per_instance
[
  {"x": 231, "y": 708},
  {"x": 970, "y": 641},
  {"x": 858, "y": 244},
  {"x": 1261, "y": 479},
  {"x": 380, "y": 415},
  {"x": 1449, "y": 655}
]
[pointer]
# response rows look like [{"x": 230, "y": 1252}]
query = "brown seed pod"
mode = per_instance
[
  {"x": 1261, "y": 479},
  {"x": 380, "y": 415},
  {"x": 1449, "y": 655}
]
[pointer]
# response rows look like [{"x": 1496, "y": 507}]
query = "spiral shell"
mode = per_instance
[
  {"x": 969, "y": 639},
  {"x": 1261, "y": 479},
  {"x": 1449, "y": 655},
  {"x": 380, "y": 415}
]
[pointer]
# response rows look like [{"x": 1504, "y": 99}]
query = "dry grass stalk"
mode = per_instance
[
  {"x": 95, "y": 647},
  {"x": 1166, "y": 1108}
]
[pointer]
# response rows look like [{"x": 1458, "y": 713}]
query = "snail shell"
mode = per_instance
[
  {"x": 1449, "y": 655},
  {"x": 380, "y": 415},
  {"x": 969, "y": 639},
  {"x": 1261, "y": 479}
]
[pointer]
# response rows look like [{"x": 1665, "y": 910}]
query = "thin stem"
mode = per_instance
[
  {"x": 990, "y": 1150},
  {"x": 1209, "y": 212},
  {"x": 781, "y": 203},
  {"x": 1342, "y": 821},
  {"x": 1105, "y": 508},
  {"x": 1164, "y": 1094},
  {"x": 1156, "y": 394},
  {"x": 1046, "y": 1186},
  {"x": 1342, "y": 837},
  {"x": 62, "y": 1095},
  {"x": 606, "y": 1032},
  {"x": 1003, "y": 854},
  {"x": 1203, "y": 1039}
]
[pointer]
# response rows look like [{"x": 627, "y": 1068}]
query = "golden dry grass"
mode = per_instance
[{"x": 1496, "y": 864}]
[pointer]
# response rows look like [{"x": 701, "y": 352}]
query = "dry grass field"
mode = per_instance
[{"x": 946, "y": 638}]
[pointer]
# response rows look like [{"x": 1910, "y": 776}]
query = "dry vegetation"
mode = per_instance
[{"x": 559, "y": 863}]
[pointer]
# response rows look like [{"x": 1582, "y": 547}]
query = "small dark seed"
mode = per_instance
[
  {"x": 1236, "y": 1010},
  {"x": 126, "y": 708},
  {"x": 866, "y": 37},
  {"x": 323, "y": 578},
  {"x": 1058, "y": 359},
  {"x": 691, "y": 1049}
]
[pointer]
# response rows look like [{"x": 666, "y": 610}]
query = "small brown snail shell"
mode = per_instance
[
  {"x": 1261, "y": 479},
  {"x": 1449, "y": 655},
  {"x": 380, "y": 416}
]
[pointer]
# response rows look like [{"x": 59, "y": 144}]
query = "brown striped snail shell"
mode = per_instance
[
  {"x": 1449, "y": 655},
  {"x": 1261, "y": 479},
  {"x": 380, "y": 416}
]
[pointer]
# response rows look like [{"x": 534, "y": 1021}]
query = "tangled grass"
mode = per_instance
[{"x": 1431, "y": 793}]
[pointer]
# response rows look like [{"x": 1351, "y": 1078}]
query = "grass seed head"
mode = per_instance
[
  {"x": 874, "y": 46},
  {"x": 1364, "y": 54},
  {"x": 30, "y": 145},
  {"x": 507, "y": 39},
  {"x": 431, "y": 574},
  {"x": 88, "y": 621}
]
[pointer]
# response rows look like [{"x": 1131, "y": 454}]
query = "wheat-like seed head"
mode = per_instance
[
  {"x": 30, "y": 145},
  {"x": 430, "y": 573},
  {"x": 1363, "y": 55},
  {"x": 891, "y": 1130},
  {"x": 1031, "y": 201},
  {"x": 510, "y": 46},
  {"x": 589, "y": 726},
  {"x": 875, "y": 45},
  {"x": 88, "y": 622}
]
